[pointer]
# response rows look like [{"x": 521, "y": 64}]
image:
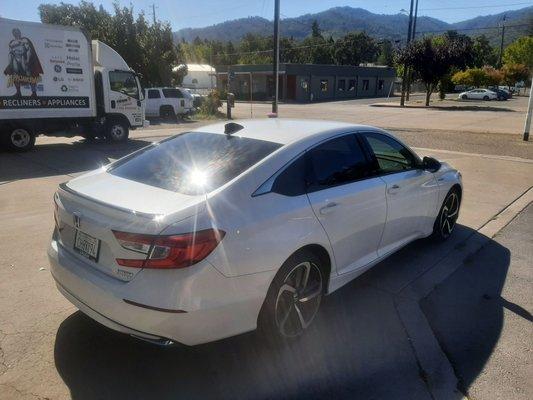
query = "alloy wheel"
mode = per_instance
[
  {"x": 298, "y": 299},
  {"x": 450, "y": 212}
]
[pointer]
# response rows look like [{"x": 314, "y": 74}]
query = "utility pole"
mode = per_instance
[
  {"x": 413, "y": 34},
  {"x": 276, "y": 59},
  {"x": 405, "y": 72},
  {"x": 501, "y": 43},
  {"x": 527, "y": 125}
]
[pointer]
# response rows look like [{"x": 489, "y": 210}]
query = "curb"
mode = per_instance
[{"x": 436, "y": 369}]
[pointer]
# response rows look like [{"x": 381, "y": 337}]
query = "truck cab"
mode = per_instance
[
  {"x": 168, "y": 102},
  {"x": 119, "y": 95}
]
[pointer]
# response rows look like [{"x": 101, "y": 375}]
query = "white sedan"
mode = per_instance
[
  {"x": 479, "y": 94},
  {"x": 230, "y": 227}
]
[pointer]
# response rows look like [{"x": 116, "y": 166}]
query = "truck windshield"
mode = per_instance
[
  {"x": 194, "y": 162},
  {"x": 124, "y": 82}
]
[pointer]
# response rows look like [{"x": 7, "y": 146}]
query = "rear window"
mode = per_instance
[{"x": 194, "y": 162}]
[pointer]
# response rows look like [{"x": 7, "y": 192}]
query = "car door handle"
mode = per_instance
[
  {"x": 393, "y": 189},
  {"x": 328, "y": 208}
]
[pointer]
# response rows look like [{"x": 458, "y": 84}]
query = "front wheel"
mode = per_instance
[
  {"x": 20, "y": 139},
  {"x": 464, "y": 97},
  {"x": 486, "y": 98},
  {"x": 293, "y": 299},
  {"x": 117, "y": 131},
  {"x": 447, "y": 218}
]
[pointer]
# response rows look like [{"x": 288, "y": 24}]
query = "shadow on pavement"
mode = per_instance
[
  {"x": 63, "y": 158},
  {"x": 356, "y": 348}
]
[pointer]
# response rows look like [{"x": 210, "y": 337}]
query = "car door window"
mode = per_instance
[
  {"x": 336, "y": 162},
  {"x": 153, "y": 94},
  {"x": 390, "y": 156},
  {"x": 124, "y": 82}
]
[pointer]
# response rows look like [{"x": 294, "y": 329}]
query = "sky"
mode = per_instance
[{"x": 199, "y": 13}]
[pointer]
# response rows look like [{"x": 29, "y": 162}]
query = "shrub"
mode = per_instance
[{"x": 211, "y": 103}]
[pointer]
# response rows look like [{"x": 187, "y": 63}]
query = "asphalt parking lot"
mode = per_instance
[{"x": 371, "y": 339}]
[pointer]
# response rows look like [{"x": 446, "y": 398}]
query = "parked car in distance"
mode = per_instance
[
  {"x": 478, "y": 94},
  {"x": 242, "y": 225},
  {"x": 198, "y": 99},
  {"x": 168, "y": 103},
  {"x": 502, "y": 94}
]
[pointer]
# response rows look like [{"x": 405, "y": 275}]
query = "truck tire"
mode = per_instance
[
  {"x": 117, "y": 131},
  {"x": 19, "y": 139}
]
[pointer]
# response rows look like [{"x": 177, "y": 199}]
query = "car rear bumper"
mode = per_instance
[{"x": 191, "y": 306}]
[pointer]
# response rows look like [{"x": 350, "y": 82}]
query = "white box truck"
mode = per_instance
[{"x": 55, "y": 81}]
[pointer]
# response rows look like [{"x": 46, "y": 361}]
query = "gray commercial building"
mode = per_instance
[{"x": 306, "y": 82}]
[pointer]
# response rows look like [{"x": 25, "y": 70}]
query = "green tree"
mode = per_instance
[
  {"x": 386, "y": 53},
  {"x": 432, "y": 59},
  {"x": 484, "y": 53},
  {"x": 520, "y": 52},
  {"x": 355, "y": 48},
  {"x": 470, "y": 77},
  {"x": 513, "y": 73}
]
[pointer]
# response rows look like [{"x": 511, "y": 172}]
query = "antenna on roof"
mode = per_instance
[{"x": 231, "y": 127}]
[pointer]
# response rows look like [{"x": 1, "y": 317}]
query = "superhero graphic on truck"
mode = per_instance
[{"x": 24, "y": 66}]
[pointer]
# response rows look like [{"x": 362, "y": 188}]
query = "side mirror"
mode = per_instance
[{"x": 431, "y": 164}]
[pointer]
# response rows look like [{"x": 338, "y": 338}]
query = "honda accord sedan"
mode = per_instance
[{"x": 242, "y": 225}]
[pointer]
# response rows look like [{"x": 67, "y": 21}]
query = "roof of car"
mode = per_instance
[{"x": 282, "y": 130}]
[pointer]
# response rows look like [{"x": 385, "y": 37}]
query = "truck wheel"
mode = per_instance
[
  {"x": 167, "y": 113},
  {"x": 117, "y": 131},
  {"x": 20, "y": 139}
]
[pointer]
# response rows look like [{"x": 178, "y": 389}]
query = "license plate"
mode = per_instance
[{"x": 87, "y": 245}]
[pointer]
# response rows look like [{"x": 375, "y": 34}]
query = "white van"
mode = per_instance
[{"x": 168, "y": 102}]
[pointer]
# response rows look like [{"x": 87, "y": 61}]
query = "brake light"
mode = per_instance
[{"x": 166, "y": 252}]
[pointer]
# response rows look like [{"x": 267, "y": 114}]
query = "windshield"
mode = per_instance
[{"x": 193, "y": 163}]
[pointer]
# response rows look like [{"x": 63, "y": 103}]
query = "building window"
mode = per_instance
[
  {"x": 323, "y": 85},
  {"x": 381, "y": 84},
  {"x": 365, "y": 84},
  {"x": 341, "y": 85},
  {"x": 304, "y": 84},
  {"x": 351, "y": 85}
]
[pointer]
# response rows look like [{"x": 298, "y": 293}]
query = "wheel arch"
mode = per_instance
[
  {"x": 324, "y": 256},
  {"x": 118, "y": 117}
]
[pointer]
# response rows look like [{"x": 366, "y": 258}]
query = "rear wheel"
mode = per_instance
[
  {"x": 117, "y": 131},
  {"x": 447, "y": 218},
  {"x": 19, "y": 139},
  {"x": 293, "y": 299},
  {"x": 167, "y": 113}
]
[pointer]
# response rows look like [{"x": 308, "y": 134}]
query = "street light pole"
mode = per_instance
[
  {"x": 527, "y": 125},
  {"x": 276, "y": 59}
]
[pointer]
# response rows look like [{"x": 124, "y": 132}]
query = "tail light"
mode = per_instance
[
  {"x": 56, "y": 210},
  {"x": 166, "y": 252}
]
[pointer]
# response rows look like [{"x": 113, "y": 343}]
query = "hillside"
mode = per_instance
[{"x": 338, "y": 21}]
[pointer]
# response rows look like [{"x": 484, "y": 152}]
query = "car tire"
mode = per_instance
[
  {"x": 167, "y": 113},
  {"x": 448, "y": 214},
  {"x": 486, "y": 98},
  {"x": 293, "y": 298},
  {"x": 116, "y": 131},
  {"x": 19, "y": 139},
  {"x": 464, "y": 97}
]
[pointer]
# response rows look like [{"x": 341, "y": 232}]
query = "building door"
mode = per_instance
[{"x": 291, "y": 87}]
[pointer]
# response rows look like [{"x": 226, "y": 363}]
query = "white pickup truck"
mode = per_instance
[{"x": 168, "y": 102}]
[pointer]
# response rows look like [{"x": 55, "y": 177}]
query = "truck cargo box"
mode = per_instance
[{"x": 46, "y": 71}]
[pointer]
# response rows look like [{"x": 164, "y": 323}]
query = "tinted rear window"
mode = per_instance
[{"x": 194, "y": 162}]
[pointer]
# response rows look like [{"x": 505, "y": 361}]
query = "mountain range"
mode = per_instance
[{"x": 338, "y": 21}]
